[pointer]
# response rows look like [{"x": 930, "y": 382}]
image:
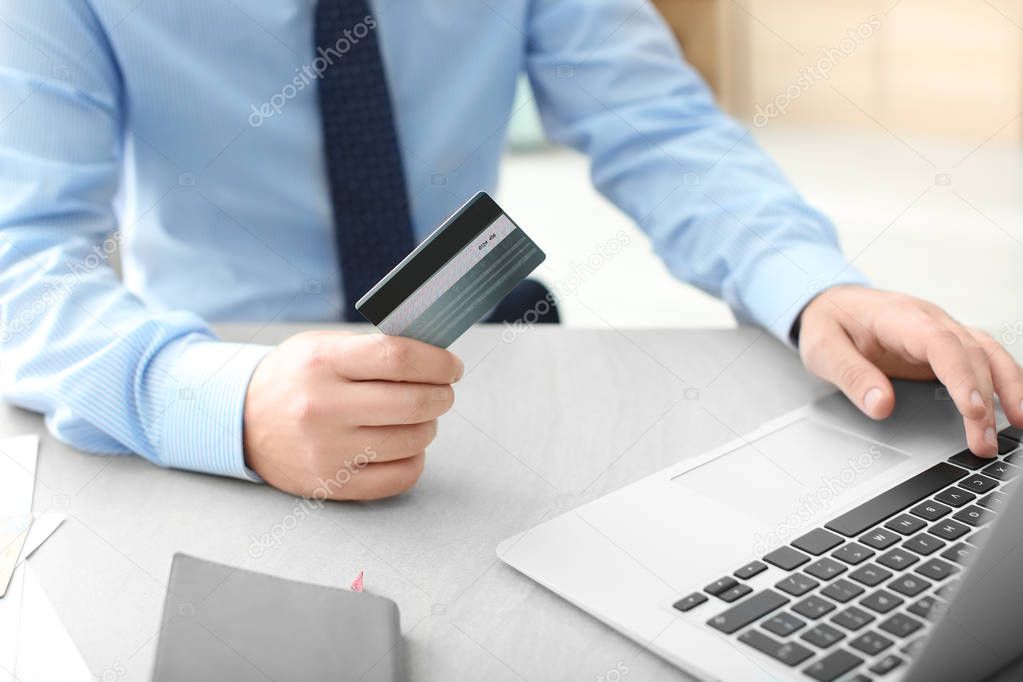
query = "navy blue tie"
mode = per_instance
[{"x": 367, "y": 180}]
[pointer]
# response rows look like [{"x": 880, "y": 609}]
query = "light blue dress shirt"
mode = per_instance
[{"x": 187, "y": 134}]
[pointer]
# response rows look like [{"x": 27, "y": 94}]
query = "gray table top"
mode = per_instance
[{"x": 541, "y": 423}]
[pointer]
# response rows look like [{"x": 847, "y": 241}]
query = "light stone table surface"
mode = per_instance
[{"x": 542, "y": 422}]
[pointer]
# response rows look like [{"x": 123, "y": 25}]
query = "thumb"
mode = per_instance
[{"x": 836, "y": 359}]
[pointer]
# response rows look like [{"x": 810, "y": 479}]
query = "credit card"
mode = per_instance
[
  {"x": 455, "y": 277},
  {"x": 13, "y": 531}
]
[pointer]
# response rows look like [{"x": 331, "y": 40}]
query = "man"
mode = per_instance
[{"x": 266, "y": 160}]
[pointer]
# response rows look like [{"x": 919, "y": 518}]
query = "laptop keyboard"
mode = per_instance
[{"x": 858, "y": 592}]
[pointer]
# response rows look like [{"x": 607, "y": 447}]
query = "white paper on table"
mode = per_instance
[
  {"x": 17, "y": 474},
  {"x": 10, "y": 612},
  {"x": 42, "y": 528},
  {"x": 34, "y": 645},
  {"x": 18, "y": 458}
]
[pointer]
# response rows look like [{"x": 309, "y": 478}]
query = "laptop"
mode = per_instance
[{"x": 823, "y": 546}]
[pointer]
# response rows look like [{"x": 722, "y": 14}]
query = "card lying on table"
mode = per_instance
[{"x": 455, "y": 277}]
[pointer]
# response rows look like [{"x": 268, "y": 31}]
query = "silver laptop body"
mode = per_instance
[{"x": 792, "y": 553}]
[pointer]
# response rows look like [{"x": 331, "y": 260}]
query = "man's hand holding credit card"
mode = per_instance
[
  {"x": 344, "y": 415},
  {"x": 455, "y": 277}
]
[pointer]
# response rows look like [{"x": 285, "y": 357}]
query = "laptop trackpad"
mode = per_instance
[{"x": 802, "y": 469}]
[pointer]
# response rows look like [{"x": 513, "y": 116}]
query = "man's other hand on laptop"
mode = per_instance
[
  {"x": 857, "y": 337},
  {"x": 346, "y": 416}
]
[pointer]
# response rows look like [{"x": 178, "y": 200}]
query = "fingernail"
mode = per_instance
[
  {"x": 989, "y": 436},
  {"x": 976, "y": 399},
  {"x": 1021, "y": 406},
  {"x": 871, "y": 399}
]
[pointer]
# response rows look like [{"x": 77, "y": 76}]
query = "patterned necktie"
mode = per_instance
[{"x": 367, "y": 180}]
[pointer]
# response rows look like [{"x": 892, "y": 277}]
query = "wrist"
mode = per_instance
[
  {"x": 814, "y": 306},
  {"x": 780, "y": 283},
  {"x": 252, "y": 417},
  {"x": 204, "y": 386}
]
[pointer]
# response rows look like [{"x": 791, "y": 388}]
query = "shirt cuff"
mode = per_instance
[
  {"x": 204, "y": 399},
  {"x": 784, "y": 280}
]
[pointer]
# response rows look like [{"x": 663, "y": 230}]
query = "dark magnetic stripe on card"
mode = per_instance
[
  {"x": 429, "y": 257},
  {"x": 477, "y": 292}
]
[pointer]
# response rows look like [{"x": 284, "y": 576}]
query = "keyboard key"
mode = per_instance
[
  {"x": 978, "y": 483},
  {"x": 842, "y": 590},
  {"x": 813, "y": 607},
  {"x": 783, "y": 624},
  {"x": 852, "y": 618},
  {"x": 735, "y": 593},
  {"x": 870, "y": 575},
  {"x": 900, "y": 625},
  {"x": 993, "y": 500},
  {"x": 825, "y": 568},
  {"x": 936, "y": 569},
  {"x": 817, "y": 541},
  {"x": 689, "y": 603},
  {"x": 930, "y": 510},
  {"x": 969, "y": 460},
  {"x": 786, "y": 558},
  {"x": 924, "y": 544},
  {"x": 747, "y": 611},
  {"x": 871, "y": 643},
  {"x": 905, "y": 524},
  {"x": 959, "y": 553},
  {"x": 949, "y": 529},
  {"x": 914, "y": 647},
  {"x": 1007, "y": 445},
  {"x": 751, "y": 569},
  {"x": 720, "y": 585},
  {"x": 1012, "y": 433},
  {"x": 853, "y": 553},
  {"x": 886, "y": 665},
  {"x": 941, "y": 608},
  {"x": 880, "y": 538},
  {"x": 881, "y": 601},
  {"x": 1001, "y": 470},
  {"x": 956, "y": 497},
  {"x": 928, "y": 606},
  {"x": 832, "y": 666},
  {"x": 973, "y": 515},
  {"x": 789, "y": 653},
  {"x": 947, "y": 590},
  {"x": 859, "y": 677},
  {"x": 898, "y": 559},
  {"x": 909, "y": 585},
  {"x": 796, "y": 584},
  {"x": 894, "y": 500},
  {"x": 978, "y": 537},
  {"x": 822, "y": 636}
]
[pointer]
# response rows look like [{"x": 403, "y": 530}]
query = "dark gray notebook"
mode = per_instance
[{"x": 222, "y": 623}]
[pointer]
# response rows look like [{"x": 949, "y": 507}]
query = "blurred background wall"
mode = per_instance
[
  {"x": 901, "y": 119},
  {"x": 918, "y": 66}
]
